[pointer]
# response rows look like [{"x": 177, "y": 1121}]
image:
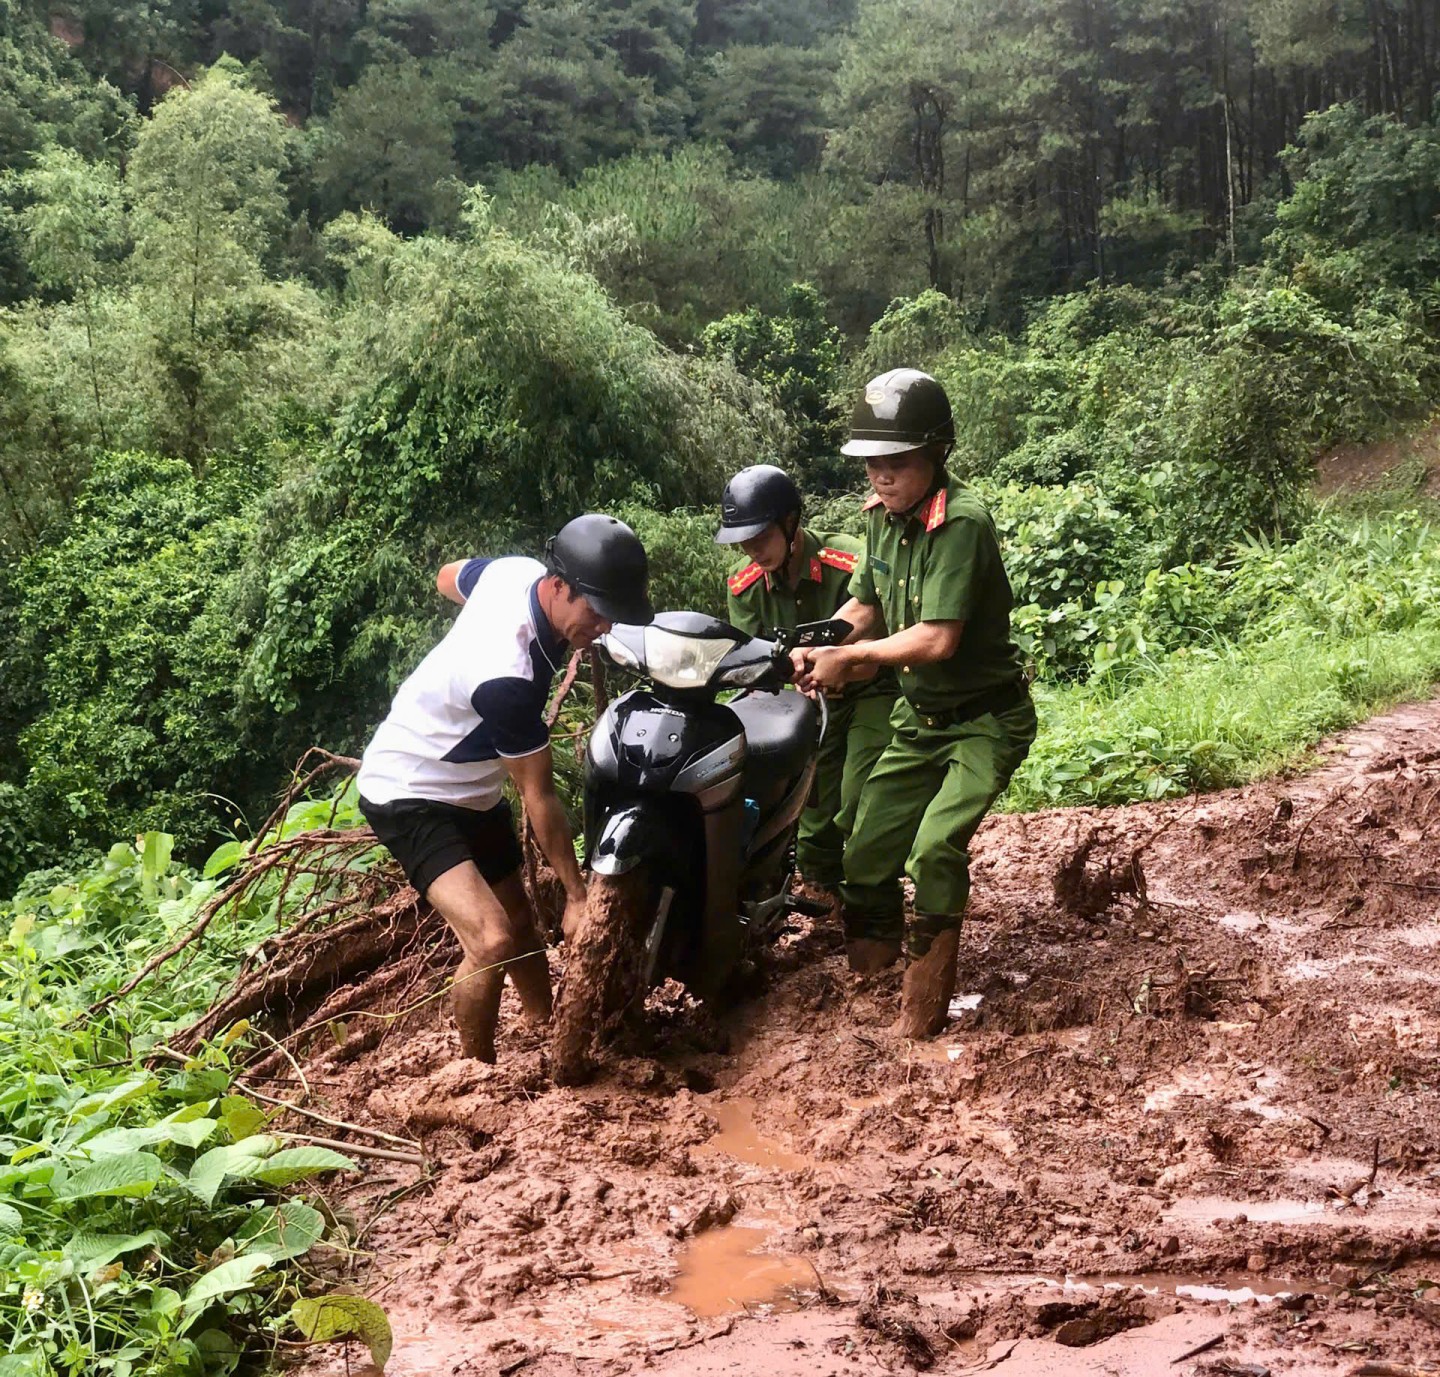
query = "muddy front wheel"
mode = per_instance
[{"x": 604, "y": 970}]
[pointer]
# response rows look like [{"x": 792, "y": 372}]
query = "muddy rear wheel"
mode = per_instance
[{"x": 603, "y": 971}]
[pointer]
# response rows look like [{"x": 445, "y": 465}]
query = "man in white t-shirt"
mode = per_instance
[{"x": 472, "y": 715}]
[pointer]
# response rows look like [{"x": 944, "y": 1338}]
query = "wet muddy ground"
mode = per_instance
[{"x": 1185, "y": 1119}]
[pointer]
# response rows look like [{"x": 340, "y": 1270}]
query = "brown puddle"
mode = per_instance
[
  {"x": 1207, "y": 1209},
  {"x": 723, "y": 1271},
  {"x": 741, "y": 1140}
]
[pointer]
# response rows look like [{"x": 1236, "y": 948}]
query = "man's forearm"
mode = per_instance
[
  {"x": 925, "y": 643},
  {"x": 552, "y": 831},
  {"x": 864, "y": 618}
]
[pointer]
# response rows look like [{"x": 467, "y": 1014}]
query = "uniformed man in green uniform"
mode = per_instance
[
  {"x": 791, "y": 576},
  {"x": 931, "y": 599}
]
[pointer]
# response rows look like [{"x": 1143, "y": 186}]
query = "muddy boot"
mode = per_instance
[
  {"x": 866, "y": 955},
  {"x": 929, "y": 986}
]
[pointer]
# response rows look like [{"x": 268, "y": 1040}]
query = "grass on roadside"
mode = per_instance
[{"x": 1212, "y": 717}]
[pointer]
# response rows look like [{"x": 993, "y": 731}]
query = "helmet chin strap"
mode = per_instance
[{"x": 792, "y": 546}]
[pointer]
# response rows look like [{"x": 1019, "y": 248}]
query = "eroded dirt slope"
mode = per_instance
[{"x": 1196, "y": 1064}]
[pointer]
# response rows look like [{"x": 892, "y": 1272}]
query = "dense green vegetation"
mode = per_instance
[
  {"x": 306, "y": 300},
  {"x": 151, "y": 1219}
]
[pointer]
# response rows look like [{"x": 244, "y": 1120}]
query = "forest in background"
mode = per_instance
[{"x": 305, "y": 299}]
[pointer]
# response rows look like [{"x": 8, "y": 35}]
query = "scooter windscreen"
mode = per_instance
[
  {"x": 678, "y": 649},
  {"x": 684, "y": 650}
]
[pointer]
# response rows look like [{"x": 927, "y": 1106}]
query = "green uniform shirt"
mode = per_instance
[
  {"x": 941, "y": 562},
  {"x": 759, "y": 605}
]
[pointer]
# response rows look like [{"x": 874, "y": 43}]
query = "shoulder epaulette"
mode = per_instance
[
  {"x": 839, "y": 559},
  {"x": 740, "y": 581}
]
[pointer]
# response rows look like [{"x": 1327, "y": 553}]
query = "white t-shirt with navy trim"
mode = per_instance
[{"x": 477, "y": 699}]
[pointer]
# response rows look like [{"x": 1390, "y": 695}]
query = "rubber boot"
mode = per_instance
[
  {"x": 929, "y": 986},
  {"x": 866, "y": 955}
]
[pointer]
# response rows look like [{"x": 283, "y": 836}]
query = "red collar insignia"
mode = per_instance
[
  {"x": 932, "y": 514},
  {"x": 872, "y": 501}
]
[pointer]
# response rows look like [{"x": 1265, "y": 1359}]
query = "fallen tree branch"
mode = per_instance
[
  {"x": 326, "y": 1119},
  {"x": 299, "y": 785},
  {"x": 413, "y": 1159}
]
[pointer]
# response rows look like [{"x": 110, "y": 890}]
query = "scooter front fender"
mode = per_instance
[{"x": 638, "y": 832}]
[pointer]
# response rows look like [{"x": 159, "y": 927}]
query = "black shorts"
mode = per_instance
[{"x": 429, "y": 838}]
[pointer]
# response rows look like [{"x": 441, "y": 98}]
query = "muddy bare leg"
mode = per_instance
[
  {"x": 479, "y": 919},
  {"x": 528, "y": 967},
  {"x": 475, "y": 1002}
]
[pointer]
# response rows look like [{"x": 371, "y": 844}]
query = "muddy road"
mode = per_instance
[{"x": 1185, "y": 1119}]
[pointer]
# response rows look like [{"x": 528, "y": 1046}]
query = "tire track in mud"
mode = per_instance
[{"x": 1198, "y": 1062}]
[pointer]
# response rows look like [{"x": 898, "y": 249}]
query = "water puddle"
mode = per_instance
[
  {"x": 1184, "y": 1083},
  {"x": 934, "y": 1051},
  {"x": 1205, "y": 1209},
  {"x": 965, "y": 1004},
  {"x": 724, "y": 1271},
  {"x": 741, "y": 1141},
  {"x": 1208, "y": 1085},
  {"x": 1232, "y": 1288}
]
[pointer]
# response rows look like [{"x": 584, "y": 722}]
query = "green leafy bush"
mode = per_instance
[
  {"x": 795, "y": 356},
  {"x": 506, "y": 394},
  {"x": 1208, "y": 676},
  {"x": 131, "y": 725},
  {"x": 148, "y": 1217}
]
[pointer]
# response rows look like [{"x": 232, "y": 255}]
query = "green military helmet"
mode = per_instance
[{"x": 901, "y": 410}]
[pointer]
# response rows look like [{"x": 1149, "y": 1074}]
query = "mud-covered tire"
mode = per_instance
[{"x": 602, "y": 971}]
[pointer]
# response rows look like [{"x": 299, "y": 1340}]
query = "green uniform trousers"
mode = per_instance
[
  {"x": 917, "y": 813},
  {"x": 858, "y": 733}
]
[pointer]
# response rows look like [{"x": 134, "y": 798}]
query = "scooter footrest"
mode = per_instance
[{"x": 809, "y": 908}]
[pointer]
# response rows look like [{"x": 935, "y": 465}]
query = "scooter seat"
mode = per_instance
[{"x": 782, "y": 731}]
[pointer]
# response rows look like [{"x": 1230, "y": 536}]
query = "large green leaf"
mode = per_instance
[
  {"x": 240, "y": 1117},
  {"x": 188, "y": 1133},
  {"x": 34, "y": 1172},
  {"x": 223, "y": 857},
  {"x": 323, "y": 1318},
  {"x": 126, "y": 1173},
  {"x": 295, "y": 1164},
  {"x": 155, "y": 861},
  {"x": 136, "y": 1087},
  {"x": 236, "y": 1275},
  {"x": 283, "y": 1231},
  {"x": 88, "y": 1251},
  {"x": 241, "y": 1159},
  {"x": 10, "y": 1220},
  {"x": 22, "y": 1365}
]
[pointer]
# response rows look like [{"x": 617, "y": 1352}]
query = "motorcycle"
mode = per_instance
[{"x": 691, "y": 807}]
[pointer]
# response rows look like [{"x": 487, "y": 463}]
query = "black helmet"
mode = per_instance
[
  {"x": 901, "y": 410},
  {"x": 603, "y": 559},
  {"x": 754, "y": 499}
]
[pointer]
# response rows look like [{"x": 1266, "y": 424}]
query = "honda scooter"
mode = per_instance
[{"x": 691, "y": 806}]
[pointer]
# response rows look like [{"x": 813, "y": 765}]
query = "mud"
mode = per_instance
[{"x": 1191, "y": 1092}]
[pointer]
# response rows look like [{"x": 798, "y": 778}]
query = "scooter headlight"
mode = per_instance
[
  {"x": 682, "y": 661},
  {"x": 621, "y": 653}
]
